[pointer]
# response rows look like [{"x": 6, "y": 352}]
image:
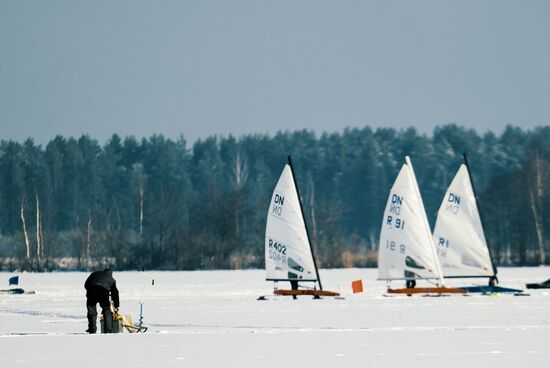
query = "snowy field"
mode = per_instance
[{"x": 212, "y": 319}]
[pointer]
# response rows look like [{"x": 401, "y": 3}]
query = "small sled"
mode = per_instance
[
  {"x": 427, "y": 290},
  {"x": 120, "y": 322},
  {"x": 129, "y": 325}
]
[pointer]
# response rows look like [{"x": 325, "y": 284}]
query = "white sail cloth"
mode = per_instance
[
  {"x": 406, "y": 248},
  {"x": 287, "y": 250},
  {"x": 458, "y": 234}
]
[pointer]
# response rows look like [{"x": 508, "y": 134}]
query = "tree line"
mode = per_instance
[{"x": 158, "y": 203}]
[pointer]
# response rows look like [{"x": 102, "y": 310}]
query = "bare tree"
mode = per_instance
[
  {"x": 536, "y": 179},
  {"x": 311, "y": 191},
  {"x": 141, "y": 199},
  {"x": 114, "y": 236},
  {"x": 39, "y": 241},
  {"x": 25, "y": 231},
  {"x": 240, "y": 174},
  {"x": 89, "y": 230}
]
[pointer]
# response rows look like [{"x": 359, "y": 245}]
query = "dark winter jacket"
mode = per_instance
[{"x": 105, "y": 280}]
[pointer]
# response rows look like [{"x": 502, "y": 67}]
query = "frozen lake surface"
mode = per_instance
[{"x": 212, "y": 319}]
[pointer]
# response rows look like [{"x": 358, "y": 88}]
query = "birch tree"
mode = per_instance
[{"x": 537, "y": 177}]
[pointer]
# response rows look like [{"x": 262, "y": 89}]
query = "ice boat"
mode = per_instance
[
  {"x": 406, "y": 249},
  {"x": 288, "y": 252},
  {"x": 460, "y": 239},
  {"x": 16, "y": 290},
  {"x": 539, "y": 285}
]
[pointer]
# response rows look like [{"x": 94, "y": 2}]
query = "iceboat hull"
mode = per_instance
[
  {"x": 427, "y": 290},
  {"x": 486, "y": 289},
  {"x": 305, "y": 292},
  {"x": 16, "y": 291}
]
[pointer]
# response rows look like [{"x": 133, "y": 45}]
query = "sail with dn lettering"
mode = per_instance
[
  {"x": 459, "y": 236},
  {"x": 288, "y": 251},
  {"x": 406, "y": 249}
]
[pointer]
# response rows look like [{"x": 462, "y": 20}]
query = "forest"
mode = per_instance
[{"x": 158, "y": 203}]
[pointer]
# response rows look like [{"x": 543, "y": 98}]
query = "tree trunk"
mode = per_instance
[
  {"x": 536, "y": 194},
  {"x": 89, "y": 230},
  {"x": 240, "y": 173},
  {"x": 39, "y": 253},
  {"x": 141, "y": 197},
  {"x": 312, "y": 209},
  {"x": 25, "y": 232},
  {"x": 535, "y": 209}
]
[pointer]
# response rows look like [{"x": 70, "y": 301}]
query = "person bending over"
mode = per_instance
[{"x": 98, "y": 287}]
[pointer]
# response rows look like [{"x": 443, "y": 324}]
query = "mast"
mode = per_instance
[
  {"x": 305, "y": 223},
  {"x": 425, "y": 218},
  {"x": 480, "y": 215}
]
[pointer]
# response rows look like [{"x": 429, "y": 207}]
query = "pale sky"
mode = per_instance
[{"x": 200, "y": 67}]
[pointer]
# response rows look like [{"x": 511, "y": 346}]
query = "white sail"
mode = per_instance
[
  {"x": 458, "y": 233},
  {"x": 406, "y": 248},
  {"x": 287, "y": 250}
]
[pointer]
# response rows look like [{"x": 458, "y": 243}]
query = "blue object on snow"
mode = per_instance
[{"x": 14, "y": 280}]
